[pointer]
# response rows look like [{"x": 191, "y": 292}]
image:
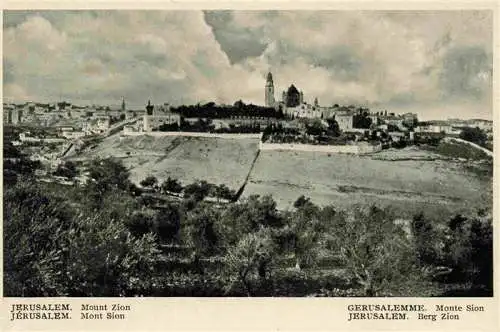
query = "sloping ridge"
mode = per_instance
[{"x": 459, "y": 140}]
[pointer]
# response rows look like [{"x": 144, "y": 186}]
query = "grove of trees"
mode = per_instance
[
  {"x": 213, "y": 111},
  {"x": 474, "y": 135},
  {"x": 104, "y": 240}
]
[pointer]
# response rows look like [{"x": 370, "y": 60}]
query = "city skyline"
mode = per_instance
[{"x": 431, "y": 63}]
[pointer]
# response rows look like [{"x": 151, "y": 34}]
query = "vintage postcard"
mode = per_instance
[{"x": 257, "y": 167}]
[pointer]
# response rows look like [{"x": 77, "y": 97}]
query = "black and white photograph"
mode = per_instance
[{"x": 248, "y": 153}]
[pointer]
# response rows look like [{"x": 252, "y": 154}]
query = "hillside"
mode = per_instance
[
  {"x": 411, "y": 180},
  {"x": 215, "y": 160}
]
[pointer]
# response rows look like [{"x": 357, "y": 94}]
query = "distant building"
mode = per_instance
[
  {"x": 149, "y": 108},
  {"x": 344, "y": 120},
  {"x": 305, "y": 111},
  {"x": 97, "y": 125},
  {"x": 293, "y": 97},
  {"x": 395, "y": 120},
  {"x": 410, "y": 119},
  {"x": 397, "y": 136},
  {"x": 269, "y": 91},
  {"x": 30, "y": 108},
  {"x": 481, "y": 124},
  {"x": 437, "y": 127},
  {"x": 7, "y": 114},
  {"x": 328, "y": 112},
  {"x": 375, "y": 118},
  {"x": 151, "y": 122},
  {"x": 73, "y": 134},
  {"x": 129, "y": 129},
  {"x": 159, "y": 115},
  {"x": 17, "y": 116},
  {"x": 130, "y": 114}
]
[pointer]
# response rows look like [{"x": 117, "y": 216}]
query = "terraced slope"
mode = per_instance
[
  {"x": 411, "y": 180},
  {"x": 215, "y": 160}
]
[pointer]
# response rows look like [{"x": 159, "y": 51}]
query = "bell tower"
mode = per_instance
[{"x": 269, "y": 91}]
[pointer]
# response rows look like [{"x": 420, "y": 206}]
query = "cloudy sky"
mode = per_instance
[{"x": 436, "y": 63}]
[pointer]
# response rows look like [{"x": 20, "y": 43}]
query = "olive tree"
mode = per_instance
[
  {"x": 250, "y": 259},
  {"x": 374, "y": 250},
  {"x": 52, "y": 248}
]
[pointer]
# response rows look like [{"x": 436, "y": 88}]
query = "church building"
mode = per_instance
[{"x": 293, "y": 97}]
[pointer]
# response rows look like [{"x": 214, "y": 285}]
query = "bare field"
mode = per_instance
[
  {"x": 216, "y": 160},
  {"x": 410, "y": 180}
]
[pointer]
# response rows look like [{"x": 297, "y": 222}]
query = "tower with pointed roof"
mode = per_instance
[{"x": 269, "y": 91}]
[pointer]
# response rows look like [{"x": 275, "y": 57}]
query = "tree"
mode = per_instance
[
  {"x": 305, "y": 230},
  {"x": 222, "y": 191},
  {"x": 53, "y": 249},
  {"x": 333, "y": 128},
  {"x": 16, "y": 164},
  {"x": 109, "y": 174},
  {"x": 67, "y": 170},
  {"x": 474, "y": 135},
  {"x": 457, "y": 222},
  {"x": 198, "y": 190},
  {"x": 250, "y": 259},
  {"x": 199, "y": 230},
  {"x": 171, "y": 185},
  {"x": 315, "y": 128},
  {"x": 375, "y": 251},
  {"x": 106, "y": 175},
  {"x": 140, "y": 223},
  {"x": 469, "y": 251},
  {"x": 301, "y": 201},
  {"x": 248, "y": 216},
  {"x": 361, "y": 120},
  {"x": 425, "y": 240},
  {"x": 167, "y": 223},
  {"x": 150, "y": 181}
]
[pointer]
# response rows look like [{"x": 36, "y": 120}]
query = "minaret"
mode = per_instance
[{"x": 269, "y": 92}]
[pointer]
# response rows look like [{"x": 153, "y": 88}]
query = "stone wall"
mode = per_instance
[
  {"x": 190, "y": 134},
  {"x": 350, "y": 149}
]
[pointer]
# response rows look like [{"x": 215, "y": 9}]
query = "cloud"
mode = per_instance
[
  {"x": 381, "y": 59},
  {"x": 387, "y": 55}
]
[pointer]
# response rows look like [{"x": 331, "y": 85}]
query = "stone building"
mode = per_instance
[
  {"x": 149, "y": 108},
  {"x": 16, "y": 116},
  {"x": 344, "y": 119},
  {"x": 293, "y": 97},
  {"x": 159, "y": 115}
]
